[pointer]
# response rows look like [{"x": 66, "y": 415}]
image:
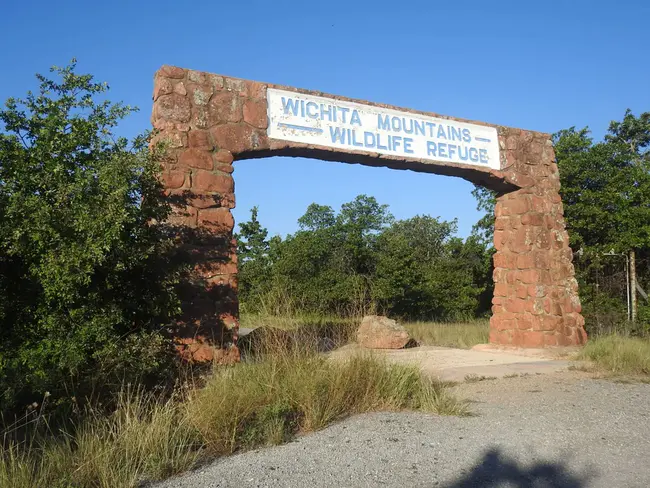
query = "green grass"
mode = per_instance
[
  {"x": 619, "y": 355},
  {"x": 277, "y": 394},
  {"x": 463, "y": 334}
]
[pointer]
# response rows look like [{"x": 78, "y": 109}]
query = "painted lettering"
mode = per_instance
[
  {"x": 337, "y": 134},
  {"x": 369, "y": 139},
  {"x": 289, "y": 104},
  {"x": 407, "y": 145},
  {"x": 341, "y": 124},
  {"x": 397, "y": 141},
  {"x": 419, "y": 127},
  {"x": 345, "y": 110},
  {"x": 379, "y": 145},
  {"x": 314, "y": 112},
  {"x": 354, "y": 138},
  {"x": 355, "y": 119},
  {"x": 383, "y": 123},
  {"x": 328, "y": 111}
]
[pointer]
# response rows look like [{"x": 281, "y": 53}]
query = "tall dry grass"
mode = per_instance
[
  {"x": 461, "y": 334},
  {"x": 269, "y": 401},
  {"x": 448, "y": 334},
  {"x": 284, "y": 389},
  {"x": 619, "y": 355},
  {"x": 145, "y": 438}
]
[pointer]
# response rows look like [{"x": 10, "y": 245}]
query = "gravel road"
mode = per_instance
[{"x": 562, "y": 430}]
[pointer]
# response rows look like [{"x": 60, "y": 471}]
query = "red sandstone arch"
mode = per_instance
[{"x": 210, "y": 120}]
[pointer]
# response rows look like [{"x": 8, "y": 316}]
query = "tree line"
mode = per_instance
[{"x": 361, "y": 260}]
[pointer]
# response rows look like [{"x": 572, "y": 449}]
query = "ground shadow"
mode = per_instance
[
  {"x": 318, "y": 336},
  {"x": 496, "y": 469}
]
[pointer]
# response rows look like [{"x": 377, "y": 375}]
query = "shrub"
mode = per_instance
[{"x": 87, "y": 277}]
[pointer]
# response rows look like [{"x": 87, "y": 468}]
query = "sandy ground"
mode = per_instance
[{"x": 456, "y": 364}]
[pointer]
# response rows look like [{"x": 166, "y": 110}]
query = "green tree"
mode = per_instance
[
  {"x": 327, "y": 266},
  {"x": 485, "y": 201},
  {"x": 358, "y": 224},
  {"x": 407, "y": 252},
  {"x": 360, "y": 260},
  {"x": 424, "y": 272},
  {"x": 253, "y": 256},
  {"x": 252, "y": 239},
  {"x": 87, "y": 277},
  {"x": 606, "y": 194},
  {"x": 317, "y": 217},
  {"x": 605, "y": 188}
]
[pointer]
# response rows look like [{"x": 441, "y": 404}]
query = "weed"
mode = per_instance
[{"x": 474, "y": 378}]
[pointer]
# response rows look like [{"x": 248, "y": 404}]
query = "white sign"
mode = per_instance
[{"x": 347, "y": 125}]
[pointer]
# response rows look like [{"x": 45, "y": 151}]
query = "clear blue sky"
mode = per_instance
[{"x": 536, "y": 65}]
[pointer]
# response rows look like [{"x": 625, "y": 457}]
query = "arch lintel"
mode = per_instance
[{"x": 492, "y": 179}]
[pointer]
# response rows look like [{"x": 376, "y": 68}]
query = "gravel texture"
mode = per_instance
[{"x": 561, "y": 430}]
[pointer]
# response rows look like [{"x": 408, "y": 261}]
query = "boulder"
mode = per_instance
[{"x": 379, "y": 332}]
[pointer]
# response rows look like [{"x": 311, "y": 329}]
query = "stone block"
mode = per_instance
[{"x": 206, "y": 181}]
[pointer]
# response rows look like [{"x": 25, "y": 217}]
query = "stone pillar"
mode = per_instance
[
  {"x": 536, "y": 301},
  {"x": 196, "y": 114}
]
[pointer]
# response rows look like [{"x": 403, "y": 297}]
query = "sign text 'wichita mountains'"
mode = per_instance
[{"x": 340, "y": 124}]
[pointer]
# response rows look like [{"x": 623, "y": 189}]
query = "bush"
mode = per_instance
[{"x": 86, "y": 275}]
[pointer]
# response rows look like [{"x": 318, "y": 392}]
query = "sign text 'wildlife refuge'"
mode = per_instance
[{"x": 335, "y": 123}]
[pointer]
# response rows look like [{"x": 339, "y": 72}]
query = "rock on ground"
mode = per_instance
[{"x": 378, "y": 332}]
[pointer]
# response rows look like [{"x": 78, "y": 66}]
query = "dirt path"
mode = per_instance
[
  {"x": 557, "y": 430},
  {"x": 453, "y": 364}
]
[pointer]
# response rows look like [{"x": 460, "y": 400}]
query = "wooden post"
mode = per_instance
[{"x": 633, "y": 284}]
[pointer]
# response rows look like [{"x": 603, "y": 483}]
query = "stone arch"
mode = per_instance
[{"x": 208, "y": 121}]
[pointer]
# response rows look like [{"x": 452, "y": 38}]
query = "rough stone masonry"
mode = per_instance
[{"x": 208, "y": 121}]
